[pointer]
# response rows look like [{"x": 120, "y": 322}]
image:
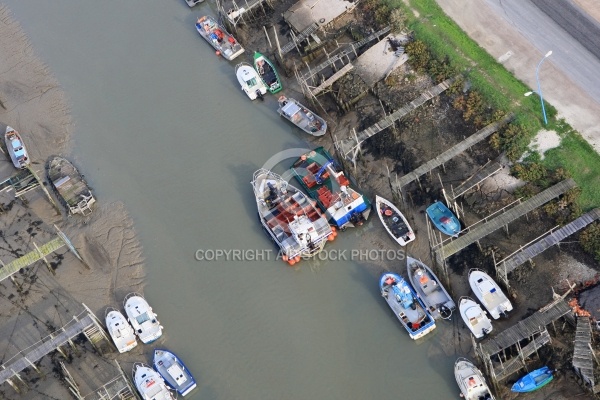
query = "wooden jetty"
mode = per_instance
[
  {"x": 511, "y": 262},
  {"x": 85, "y": 323},
  {"x": 329, "y": 81},
  {"x": 297, "y": 39},
  {"x": 532, "y": 328},
  {"x": 118, "y": 388},
  {"x": 24, "y": 181},
  {"x": 583, "y": 354},
  {"x": 502, "y": 220},
  {"x": 489, "y": 169},
  {"x": 452, "y": 152},
  {"x": 350, "y": 147}
]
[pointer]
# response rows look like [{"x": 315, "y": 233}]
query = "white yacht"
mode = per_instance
[
  {"x": 489, "y": 293},
  {"x": 119, "y": 329},
  {"x": 142, "y": 318},
  {"x": 475, "y": 318}
]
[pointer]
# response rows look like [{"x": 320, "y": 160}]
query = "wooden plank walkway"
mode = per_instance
[
  {"x": 44, "y": 347},
  {"x": 31, "y": 257},
  {"x": 347, "y": 68},
  {"x": 555, "y": 237},
  {"x": 346, "y": 52},
  {"x": 119, "y": 386},
  {"x": 524, "y": 329},
  {"x": 299, "y": 38},
  {"x": 349, "y": 145},
  {"x": 582, "y": 353},
  {"x": 506, "y": 369},
  {"x": 453, "y": 151},
  {"x": 485, "y": 172},
  {"x": 482, "y": 230}
]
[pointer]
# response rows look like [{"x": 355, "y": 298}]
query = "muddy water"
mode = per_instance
[{"x": 162, "y": 125}]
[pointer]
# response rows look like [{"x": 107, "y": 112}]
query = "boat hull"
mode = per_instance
[
  {"x": 120, "y": 331},
  {"x": 222, "y": 41},
  {"x": 430, "y": 289},
  {"x": 173, "y": 371},
  {"x": 533, "y": 381},
  {"x": 394, "y": 222},
  {"x": 443, "y": 219},
  {"x": 16, "y": 148},
  {"x": 406, "y": 305},
  {"x": 69, "y": 186},
  {"x": 341, "y": 203}
]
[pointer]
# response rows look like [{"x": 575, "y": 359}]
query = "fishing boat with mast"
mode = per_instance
[
  {"x": 325, "y": 182},
  {"x": 267, "y": 72},
  {"x": 69, "y": 186},
  {"x": 406, "y": 305},
  {"x": 16, "y": 149},
  {"x": 222, "y": 41},
  {"x": 394, "y": 221},
  {"x": 430, "y": 289},
  {"x": 289, "y": 217},
  {"x": 301, "y": 116}
]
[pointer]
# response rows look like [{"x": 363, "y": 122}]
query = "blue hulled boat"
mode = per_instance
[
  {"x": 407, "y": 306},
  {"x": 443, "y": 218},
  {"x": 319, "y": 176},
  {"x": 173, "y": 371},
  {"x": 533, "y": 380}
]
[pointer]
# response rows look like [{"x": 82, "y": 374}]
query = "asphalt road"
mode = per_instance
[{"x": 564, "y": 28}]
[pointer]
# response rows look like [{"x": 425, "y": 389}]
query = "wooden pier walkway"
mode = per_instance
[
  {"x": 526, "y": 254},
  {"x": 50, "y": 343},
  {"x": 31, "y": 257},
  {"x": 582, "y": 353},
  {"x": 485, "y": 172},
  {"x": 118, "y": 388},
  {"x": 347, "y": 68},
  {"x": 453, "y": 151},
  {"x": 296, "y": 39},
  {"x": 481, "y": 231},
  {"x": 349, "y": 147}
]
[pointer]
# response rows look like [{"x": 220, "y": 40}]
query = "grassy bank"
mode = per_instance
[{"x": 501, "y": 90}]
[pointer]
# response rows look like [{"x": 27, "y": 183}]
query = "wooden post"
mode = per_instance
[
  {"x": 277, "y": 43},
  {"x": 268, "y": 38}
]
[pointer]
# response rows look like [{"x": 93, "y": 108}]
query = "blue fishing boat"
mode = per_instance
[
  {"x": 407, "y": 306},
  {"x": 173, "y": 371},
  {"x": 443, "y": 218},
  {"x": 326, "y": 183},
  {"x": 533, "y": 380}
]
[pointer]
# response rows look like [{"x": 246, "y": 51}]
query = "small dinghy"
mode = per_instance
[
  {"x": 443, "y": 218},
  {"x": 120, "y": 331},
  {"x": 407, "y": 307},
  {"x": 142, "y": 318},
  {"x": 533, "y": 380},
  {"x": 222, "y": 41},
  {"x": 489, "y": 293},
  {"x": 70, "y": 187},
  {"x": 251, "y": 83},
  {"x": 475, "y": 319},
  {"x": 150, "y": 384},
  {"x": 16, "y": 148},
  {"x": 471, "y": 382},
  {"x": 174, "y": 371},
  {"x": 394, "y": 222},
  {"x": 301, "y": 116},
  {"x": 428, "y": 287},
  {"x": 267, "y": 72}
]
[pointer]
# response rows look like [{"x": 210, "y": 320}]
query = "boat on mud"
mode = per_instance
[
  {"x": 289, "y": 217},
  {"x": 142, "y": 318},
  {"x": 406, "y": 305},
  {"x": 475, "y": 318},
  {"x": 302, "y": 117},
  {"x": 320, "y": 177},
  {"x": 223, "y": 42},
  {"x": 69, "y": 186},
  {"x": 533, "y": 380},
  {"x": 470, "y": 380},
  {"x": 267, "y": 72},
  {"x": 443, "y": 218},
  {"x": 16, "y": 149},
  {"x": 150, "y": 384},
  {"x": 430, "y": 289},
  {"x": 394, "y": 221},
  {"x": 489, "y": 293},
  {"x": 173, "y": 371},
  {"x": 120, "y": 331},
  {"x": 250, "y": 82}
]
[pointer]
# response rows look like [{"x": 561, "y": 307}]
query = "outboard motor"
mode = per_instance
[{"x": 259, "y": 95}]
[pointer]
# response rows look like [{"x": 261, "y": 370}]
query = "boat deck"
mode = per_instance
[{"x": 70, "y": 186}]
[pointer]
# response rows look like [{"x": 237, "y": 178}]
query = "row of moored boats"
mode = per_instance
[{"x": 169, "y": 373}]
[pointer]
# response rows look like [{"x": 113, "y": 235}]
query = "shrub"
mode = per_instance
[
  {"x": 419, "y": 55},
  {"x": 590, "y": 240}
]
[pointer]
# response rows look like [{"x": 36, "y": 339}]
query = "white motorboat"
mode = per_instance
[
  {"x": 120, "y": 331},
  {"x": 489, "y": 293},
  {"x": 475, "y": 318},
  {"x": 394, "y": 221},
  {"x": 430, "y": 289},
  {"x": 251, "y": 82},
  {"x": 150, "y": 384},
  {"x": 471, "y": 382},
  {"x": 142, "y": 318},
  {"x": 16, "y": 148}
]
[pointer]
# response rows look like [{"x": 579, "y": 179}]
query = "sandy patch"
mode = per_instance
[{"x": 544, "y": 141}]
